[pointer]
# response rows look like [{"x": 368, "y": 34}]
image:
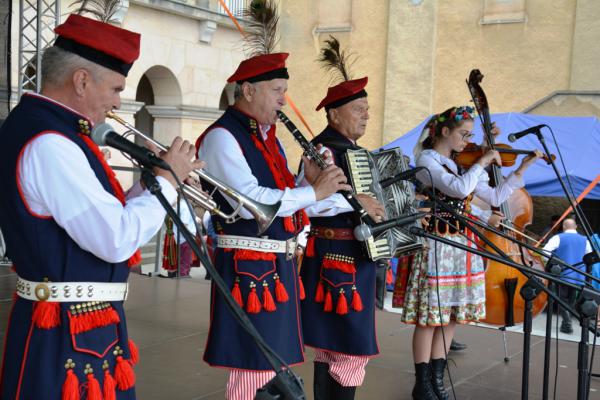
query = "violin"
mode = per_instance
[{"x": 473, "y": 152}]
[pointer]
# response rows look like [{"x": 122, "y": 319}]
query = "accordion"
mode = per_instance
[{"x": 366, "y": 171}]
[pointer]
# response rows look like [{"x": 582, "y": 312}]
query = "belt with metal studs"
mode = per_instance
[{"x": 71, "y": 291}]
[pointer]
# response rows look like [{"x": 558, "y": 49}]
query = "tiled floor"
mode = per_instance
[{"x": 168, "y": 318}]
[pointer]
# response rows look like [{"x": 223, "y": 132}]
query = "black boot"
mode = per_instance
[
  {"x": 322, "y": 381},
  {"x": 339, "y": 392},
  {"x": 437, "y": 378},
  {"x": 423, "y": 389}
]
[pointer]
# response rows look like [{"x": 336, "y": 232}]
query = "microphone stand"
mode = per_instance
[
  {"x": 554, "y": 269},
  {"x": 532, "y": 287},
  {"x": 576, "y": 207},
  {"x": 529, "y": 291},
  {"x": 286, "y": 385}
]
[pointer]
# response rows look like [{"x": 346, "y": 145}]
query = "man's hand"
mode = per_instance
[
  {"x": 372, "y": 206},
  {"x": 180, "y": 157},
  {"x": 495, "y": 219},
  {"x": 329, "y": 181}
]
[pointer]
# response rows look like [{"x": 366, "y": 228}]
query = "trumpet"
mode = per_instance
[{"x": 264, "y": 214}]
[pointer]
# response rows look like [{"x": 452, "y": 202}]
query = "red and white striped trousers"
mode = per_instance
[
  {"x": 242, "y": 385},
  {"x": 347, "y": 370}
]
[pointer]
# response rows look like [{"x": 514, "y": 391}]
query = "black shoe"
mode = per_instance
[
  {"x": 423, "y": 390},
  {"x": 565, "y": 327},
  {"x": 437, "y": 378},
  {"x": 456, "y": 346},
  {"x": 322, "y": 381},
  {"x": 339, "y": 392}
]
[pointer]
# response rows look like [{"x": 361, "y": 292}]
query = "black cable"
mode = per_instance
[
  {"x": 589, "y": 380},
  {"x": 237, "y": 313},
  {"x": 556, "y": 366},
  {"x": 437, "y": 288},
  {"x": 568, "y": 177}
]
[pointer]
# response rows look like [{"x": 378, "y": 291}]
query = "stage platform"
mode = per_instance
[{"x": 168, "y": 318}]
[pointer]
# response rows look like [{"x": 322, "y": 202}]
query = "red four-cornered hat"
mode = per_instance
[
  {"x": 343, "y": 93},
  {"x": 101, "y": 43},
  {"x": 261, "y": 68}
]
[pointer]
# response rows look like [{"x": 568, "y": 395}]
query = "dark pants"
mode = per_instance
[{"x": 569, "y": 295}]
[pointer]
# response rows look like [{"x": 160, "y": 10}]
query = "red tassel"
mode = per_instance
[
  {"x": 253, "y": 305},
  {"x": 301, "y": 289},
  {"x": 109, "y": 390},
  {"x": 237, "y": 293},
  {"x": 342, "y": 304},
  {"x": 310, "y": 247},
  {"x": 389, "y": 278},
  {"x": 320, "y": 293},
  {"x": 124, "y": 374},
  {"x": 280, "y": 293},
  {"x": 328, "y": 306},
  {"x": 70, "y": 389},
  {"x": 356, "y": 302},
  {"x": 288, "y": 224},
  {"x": 134, "y": 352},
  {"x": 268, "y": 302},
  {"x": 46, "y": 314},
  {"x": 135, "y": 259},
  {"x": 93, "y": 388}
]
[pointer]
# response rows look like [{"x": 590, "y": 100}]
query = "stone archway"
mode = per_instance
[{"x": 161, "y": 94}]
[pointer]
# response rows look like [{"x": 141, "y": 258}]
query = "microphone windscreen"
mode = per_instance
[
  {"x": 99, "y": 133},
  {"x": 512, "y": 137},
  {"x": 362, "y": 232}
]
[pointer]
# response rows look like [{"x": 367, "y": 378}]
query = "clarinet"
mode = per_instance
[{"x": 312, "y": 153}]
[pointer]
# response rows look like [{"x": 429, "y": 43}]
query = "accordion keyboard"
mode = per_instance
[{"x": 366, "y": 171}]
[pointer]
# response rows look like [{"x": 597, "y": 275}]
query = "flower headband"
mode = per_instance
[{"x": 457, "y": 114}]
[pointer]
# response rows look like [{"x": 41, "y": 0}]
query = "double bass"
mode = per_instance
[{"x": 504, "y": 305}]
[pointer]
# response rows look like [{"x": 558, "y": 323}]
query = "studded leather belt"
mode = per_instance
[
  {"x": 71, "y": 291},
  {"x": 332, "y": 233},
  {"x": 287, "y": 247}
]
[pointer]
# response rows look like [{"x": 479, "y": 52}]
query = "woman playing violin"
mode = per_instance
[{"x": 447, "y": 285}]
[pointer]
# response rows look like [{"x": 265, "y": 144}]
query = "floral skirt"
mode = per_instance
[{"x": 434, "y": 295}]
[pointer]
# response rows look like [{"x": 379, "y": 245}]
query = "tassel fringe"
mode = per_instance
[
  {"x": 301, "y": 289},
  {"x": 109, "y": 390},
  {"x": 124, "y": 375},
  {"x": 280, "y": 293},
  {"x": 320, "y": 293},
  {"x": 356, "y": 302},
  {"x": 70, "y": 389},
  {"x": 236, "y": 292},
  {"x": 342, "y": 304},
  {"x": 134, "y": 352},
  {"x": 93, "y": 388},
  {"x": 46, "y": 314},
  {"x": 310, "y": 247},
  {"x": 328, "y": 305},
  {"x": 253, "y": 305},
  {"x": 268, "y": 302}
]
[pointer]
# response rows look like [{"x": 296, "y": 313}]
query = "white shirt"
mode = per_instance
[
  {"x": 554, "y": 243},
  {"x": 475, "y": 180},
  {"x": 56, "y": 180},
  {"x": 226, "y": 162},
  {"x": 188, "y": 220}
]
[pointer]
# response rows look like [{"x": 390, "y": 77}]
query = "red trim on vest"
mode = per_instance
[
  {"x": 343, "y": 266},
  {"x": 252, "y": 255},
  {"x": 136, "y": 258},
  {"x": 18, "y": 169},
  {"x": 87, "y": 321},
  {"x": 24, "y": 360},
  {"x": 88, "y": 351}
]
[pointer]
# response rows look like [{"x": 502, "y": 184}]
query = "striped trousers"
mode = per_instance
[
  {"x": 347, "y": 370},
  {"x": 242, "y": 385}
]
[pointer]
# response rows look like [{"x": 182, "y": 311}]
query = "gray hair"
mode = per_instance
[
  {"x": 58, "y": 65},
  {"x": 238, "y": 93}
]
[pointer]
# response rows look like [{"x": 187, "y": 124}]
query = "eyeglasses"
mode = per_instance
[{"x": 467, "y": 136}]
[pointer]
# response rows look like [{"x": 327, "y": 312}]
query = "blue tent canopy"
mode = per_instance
[{"x": 577, "y": 137}]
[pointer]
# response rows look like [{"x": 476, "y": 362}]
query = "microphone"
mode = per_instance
[
  {"x": 104, "y": 135},
  {"x": 402, "y": 176},
  {"x": 517, "y": 135},
  {"x": 364, "y": 231}
]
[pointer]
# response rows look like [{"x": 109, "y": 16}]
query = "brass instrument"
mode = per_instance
[{"x": 264, "y": 214}]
